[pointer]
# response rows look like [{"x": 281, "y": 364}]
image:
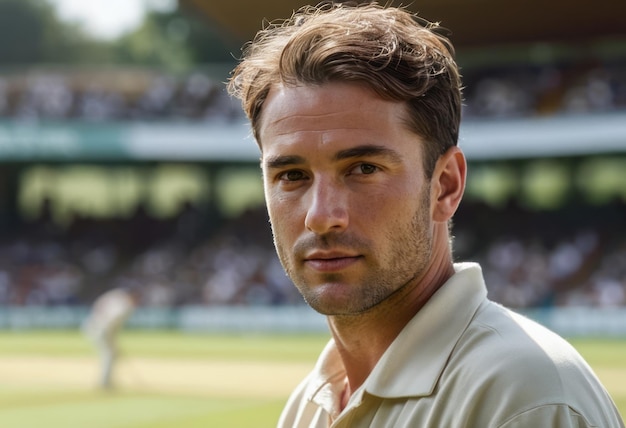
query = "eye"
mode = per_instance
[
  {"x": 364, "y": 169},
  {"x": 292, "y": 175}
]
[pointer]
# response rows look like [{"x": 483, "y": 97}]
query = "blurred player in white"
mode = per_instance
[{"x": 107, "y": 317}]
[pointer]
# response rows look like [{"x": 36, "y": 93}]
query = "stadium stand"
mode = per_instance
[
  {"x": 114, "y": 94},
  {"x": 537, "y": 265},
  {"x": 122, "y": 94},
  {"x": 565, "y": 256}
]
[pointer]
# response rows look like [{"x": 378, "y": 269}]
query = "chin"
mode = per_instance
[{"x": 335, "y": 306}]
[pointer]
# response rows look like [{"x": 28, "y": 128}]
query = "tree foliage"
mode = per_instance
[
  {"x": 176, "y": 39},
  {"x": 31, "y": 33}
]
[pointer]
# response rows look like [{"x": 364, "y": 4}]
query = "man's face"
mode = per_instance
[{"x": 346, "y": 194}]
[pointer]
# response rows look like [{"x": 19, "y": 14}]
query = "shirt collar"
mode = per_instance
[
  {"x": 327, "y": 380},
  {"x": 412, "y": 364}
]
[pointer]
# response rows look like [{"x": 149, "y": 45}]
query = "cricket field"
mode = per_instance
[{"x": 168, "y": 379}]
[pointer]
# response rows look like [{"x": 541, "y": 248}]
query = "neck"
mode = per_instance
[{"x": 363, "y": 338}]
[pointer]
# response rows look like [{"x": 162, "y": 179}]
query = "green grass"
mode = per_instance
[
  {"x": 608, "y": 358},
  {"x": 50, "y": 406},
  {"x": 98, "y": 410},
  {"x": 602, "y": 352},
  {"x": 171, "y": 344},
  {"x": 30, "y": 404}
]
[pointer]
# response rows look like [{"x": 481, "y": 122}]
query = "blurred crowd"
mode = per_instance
[
  {"x": 530, "y": 91},
  {"x": 113, "y": 95},
  {"x": 171, "y": 262},
  {"x": 574, "y": 256},
  {"x": 533, "y": 260},
  {"x": 530, "y": 261},
  {"x": 146, "y": 95}
]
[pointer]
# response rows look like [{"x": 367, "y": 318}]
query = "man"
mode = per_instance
[
  {"x": 106, "y": 319},
  {"x": 356, "y": 110}
]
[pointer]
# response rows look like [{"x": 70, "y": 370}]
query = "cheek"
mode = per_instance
[
  {"x": 394, "y": 211},
  {"x": 385, "y": 204},
  {"x": 284, "y": 217},
  {"x": 272, "y": 202}
]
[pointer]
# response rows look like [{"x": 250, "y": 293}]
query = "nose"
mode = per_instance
[{"x": 327, "y": 208}]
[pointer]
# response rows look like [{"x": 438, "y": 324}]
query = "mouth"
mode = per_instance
[{"x": 331, "y": 262}]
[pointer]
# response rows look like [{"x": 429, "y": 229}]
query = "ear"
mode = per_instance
[{"x": 448, "y": 184}]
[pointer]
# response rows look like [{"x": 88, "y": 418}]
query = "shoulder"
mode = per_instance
[
  {"x": 496, "y": 332},
  {"x": 514, "y": 366}
]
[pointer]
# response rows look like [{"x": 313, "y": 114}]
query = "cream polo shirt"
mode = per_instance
[{"x": 462, "y": 361}]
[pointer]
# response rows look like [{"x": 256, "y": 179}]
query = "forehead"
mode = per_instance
[{"x": 329, "y": 112}]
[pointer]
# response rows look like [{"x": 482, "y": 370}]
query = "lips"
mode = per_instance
[{"x": 330, "y": 261}]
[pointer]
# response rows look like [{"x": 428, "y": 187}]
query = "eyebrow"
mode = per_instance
[
  {"x": 281, "y": 161},
  {"x": 368, "y": 150}
]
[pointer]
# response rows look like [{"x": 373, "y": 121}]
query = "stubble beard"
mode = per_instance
[{"x": 405, "y": 262}]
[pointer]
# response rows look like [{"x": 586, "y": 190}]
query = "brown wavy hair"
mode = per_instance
[{"x": 397, "y": 54}]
